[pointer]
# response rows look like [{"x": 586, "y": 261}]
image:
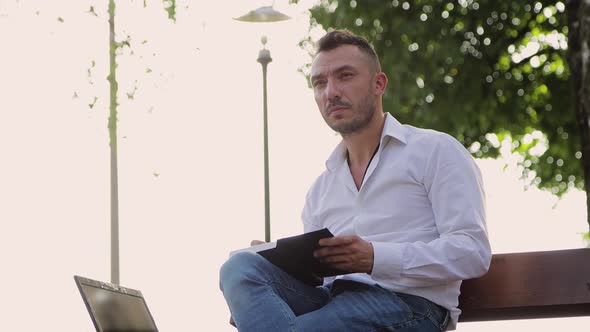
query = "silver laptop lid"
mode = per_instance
[{"x": 114, "y": 308}]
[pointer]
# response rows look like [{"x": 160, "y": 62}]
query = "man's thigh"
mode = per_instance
[{"x": 359, "y": 307}]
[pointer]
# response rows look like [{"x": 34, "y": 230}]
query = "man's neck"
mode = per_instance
[{"x": 361, "y": 146}]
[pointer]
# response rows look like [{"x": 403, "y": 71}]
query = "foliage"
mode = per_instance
[
  {"x": 170, "y": 7},
  {"x": 493, "y": 74}
]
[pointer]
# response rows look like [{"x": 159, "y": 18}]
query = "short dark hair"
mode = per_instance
[{"x": 336, "y": 38}]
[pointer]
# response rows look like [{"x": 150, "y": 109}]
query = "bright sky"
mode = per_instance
[{"x": 190, "y": 159}]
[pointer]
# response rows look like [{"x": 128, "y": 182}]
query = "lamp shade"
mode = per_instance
[{"x": 263, "y": 14}]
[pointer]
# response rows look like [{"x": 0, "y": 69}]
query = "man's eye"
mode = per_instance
[
  {"x": 346, "y": 75},
  {"x": 318, "y": 83}
]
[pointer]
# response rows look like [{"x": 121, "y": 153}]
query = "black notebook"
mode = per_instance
[{"x": 295, "y": 256}]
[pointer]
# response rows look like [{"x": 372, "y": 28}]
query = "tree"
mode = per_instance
[
  {"x": 494, "y": 74},
  {"x": 170, "y": 7},
  {"x": 578, "y": 58},
  {"x": 113, "y": 85}
]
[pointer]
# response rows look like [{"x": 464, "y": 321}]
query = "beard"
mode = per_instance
[{"x": 362, "y": 115}]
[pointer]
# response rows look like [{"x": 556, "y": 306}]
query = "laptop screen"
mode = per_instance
[{"x": 114, "y": 308}]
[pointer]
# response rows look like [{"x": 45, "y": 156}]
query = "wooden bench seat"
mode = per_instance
[{"x": 543, "y": 284}]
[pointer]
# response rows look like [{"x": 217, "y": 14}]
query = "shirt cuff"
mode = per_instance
[{"x": 387, "y": 260}]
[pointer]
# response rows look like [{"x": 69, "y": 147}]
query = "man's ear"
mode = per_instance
[{"x": 380, "y": 83}]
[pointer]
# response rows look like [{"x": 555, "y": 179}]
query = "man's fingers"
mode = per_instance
[
  {"x": 333, "y": 251},
  {"x": 338, "y": 240},
  {"x": 349, "y": 253},
  {"x": 336, "y": 259},
  {"x": 341, "y": 245},
  {"x": 256, "y": 242}
]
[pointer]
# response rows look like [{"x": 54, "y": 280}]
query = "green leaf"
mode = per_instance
[{"x": 170, "y": 7}]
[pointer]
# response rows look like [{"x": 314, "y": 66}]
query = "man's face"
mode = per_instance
[{"x": 343, "y": 81}]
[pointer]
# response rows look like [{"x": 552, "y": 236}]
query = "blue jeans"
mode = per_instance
[{"x": 262, "y": 297}]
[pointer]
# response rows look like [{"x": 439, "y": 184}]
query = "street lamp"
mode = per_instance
[{"x": 264, "y": 14}]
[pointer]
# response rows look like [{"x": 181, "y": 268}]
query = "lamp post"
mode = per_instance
[{"x": 264, "y": 14}]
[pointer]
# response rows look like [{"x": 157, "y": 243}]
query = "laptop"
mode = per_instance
[{"x": 114, "y": 308}]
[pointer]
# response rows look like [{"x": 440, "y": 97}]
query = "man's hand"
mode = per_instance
[
  {"x": 349, "y": 253},
  {"x": 256, "y": 242}
]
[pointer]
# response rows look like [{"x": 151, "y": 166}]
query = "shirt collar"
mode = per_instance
[{"x": 392, "y": 128}]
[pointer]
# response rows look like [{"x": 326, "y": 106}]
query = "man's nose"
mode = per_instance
[{"x": 332, "y": 91}]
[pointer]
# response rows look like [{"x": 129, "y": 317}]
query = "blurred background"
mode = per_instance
[{"x": 190, "y": 145}]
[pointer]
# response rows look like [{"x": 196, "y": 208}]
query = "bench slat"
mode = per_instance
[{"x": 527, "y": 285}]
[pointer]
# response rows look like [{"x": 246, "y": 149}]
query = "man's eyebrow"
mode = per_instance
[
  {"x": 344, "y": 67},
  {"x": 315, "y": 77},
  {"x": 337, "y": 70}
]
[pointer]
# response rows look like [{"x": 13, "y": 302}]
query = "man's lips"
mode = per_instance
[{"x": 336, "y": 109}]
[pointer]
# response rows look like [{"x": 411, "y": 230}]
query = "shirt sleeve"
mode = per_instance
[
  {"x": 455, "y": 190},
  {"x": 309, "y": 223}
]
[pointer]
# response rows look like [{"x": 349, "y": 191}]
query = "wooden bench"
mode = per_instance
[{"x": 543, "y": 284}]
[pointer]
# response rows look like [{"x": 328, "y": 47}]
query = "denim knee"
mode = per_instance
[{"x": 238, "y": 267}]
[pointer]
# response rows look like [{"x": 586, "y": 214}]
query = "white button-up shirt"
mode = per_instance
[{"x": 421, "y": 205}]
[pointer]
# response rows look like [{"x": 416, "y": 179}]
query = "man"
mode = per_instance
[{"x": 406, "y": 206}]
